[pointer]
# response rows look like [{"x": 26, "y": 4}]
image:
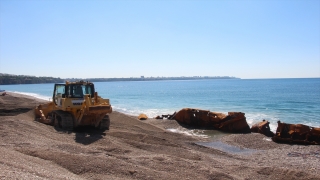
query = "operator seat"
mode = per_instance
[{"x": 78, "y": 92}]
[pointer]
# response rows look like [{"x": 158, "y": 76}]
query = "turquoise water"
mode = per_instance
[{"x": 288, "y": 100}]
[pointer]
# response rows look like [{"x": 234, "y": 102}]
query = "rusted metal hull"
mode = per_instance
[
  {"x": 262, "y": 128},
  {"x": 234, "y": 122},
  {"x": 296, "y": 134}
]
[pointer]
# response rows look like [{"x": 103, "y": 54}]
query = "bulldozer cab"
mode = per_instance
[{"x": 72, "y": 90}]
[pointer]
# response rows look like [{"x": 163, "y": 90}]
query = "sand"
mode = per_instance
[{"x": 134, "y": 149}]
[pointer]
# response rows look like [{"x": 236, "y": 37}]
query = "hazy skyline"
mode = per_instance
[{"x": 106, "y": 39}]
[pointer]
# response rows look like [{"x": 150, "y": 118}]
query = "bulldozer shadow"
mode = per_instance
[
  {"x": 88, "y": 135},
  {"x": 59, "y": 129}
]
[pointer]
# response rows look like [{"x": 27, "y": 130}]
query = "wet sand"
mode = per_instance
[{"x": 134, "y": 149}]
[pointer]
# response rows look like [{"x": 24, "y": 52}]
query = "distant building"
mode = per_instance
[{"x": 142, "y": 77}]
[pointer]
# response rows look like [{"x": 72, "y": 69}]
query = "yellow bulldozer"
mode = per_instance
[{"x": 75, "y": 104}]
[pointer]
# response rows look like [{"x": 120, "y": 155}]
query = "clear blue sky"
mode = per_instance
[{"x": 96, "y": 38}]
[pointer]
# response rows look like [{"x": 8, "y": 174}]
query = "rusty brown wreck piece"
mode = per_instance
[
  {"x": 232, "y": 122},
  {"x": 297, "y": 134},
  {"x": 314, "y": 135},
  {"x": 262, "y": 128}
]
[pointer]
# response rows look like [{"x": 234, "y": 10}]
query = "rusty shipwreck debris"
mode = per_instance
[
  {"x": 167, "y": 116},
  {"x": 235, "y": 122},
  {"x": 158, "y": 117},
  {"x": 232, "y": 122},
  {"x": 262, "y": 128},
  {"x": 296, "y": 134},
  {"x": 314, "y": 135}
]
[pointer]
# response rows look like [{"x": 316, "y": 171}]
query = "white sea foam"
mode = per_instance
[
  {"x": 149, "y": 112},
  {"x": 253, "y": 118},
  {"x": 188, "y": 132},
  {"x": 47, "y": 98}
]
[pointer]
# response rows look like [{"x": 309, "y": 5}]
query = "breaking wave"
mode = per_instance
[{"x": 38, "y": 96}]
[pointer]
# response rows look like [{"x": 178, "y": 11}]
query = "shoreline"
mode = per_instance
[
  {"x": 213, "y": 135},
  {"x": 135, "y": 149},
  {"x": 253, "y": 117}
]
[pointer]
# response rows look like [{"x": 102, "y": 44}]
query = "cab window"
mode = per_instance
[{"x": 77, "y": 91}]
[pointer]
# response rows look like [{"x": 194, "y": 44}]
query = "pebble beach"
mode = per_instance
[{"x": 135, "y": 149}]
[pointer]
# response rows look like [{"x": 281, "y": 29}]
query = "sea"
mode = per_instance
[{"x": 292, "y": 100}]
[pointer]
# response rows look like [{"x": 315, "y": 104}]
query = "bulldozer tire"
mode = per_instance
[
  {"x": 105, "y": 123},
  {"x": 67, "y": 123},
  {"x": 57, "y": 123},
  {"x": 64, "y": 120}
]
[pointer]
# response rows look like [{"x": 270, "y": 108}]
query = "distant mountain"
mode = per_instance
[{"x": 24, "y": 79}]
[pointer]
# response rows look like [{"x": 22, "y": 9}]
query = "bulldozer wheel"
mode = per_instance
[
  {"x": 57, "y": 123},
  {"x": 67, "y": 123},
  {"x": 63, "y": 120},
  {"x": 105, "y": 123}
]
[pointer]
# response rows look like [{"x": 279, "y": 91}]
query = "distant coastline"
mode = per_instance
[
  {"x": 7, "y": 79},
  {"x": 151, "y": 78}
]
